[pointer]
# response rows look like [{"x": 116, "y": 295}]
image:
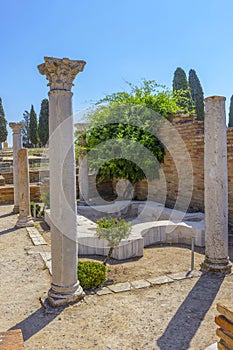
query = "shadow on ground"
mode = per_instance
[
  {"x": 185, "y": 323},
  {"x": 9, "y": 230},
  {"x": 37, "y": 321},
  {"x": 6, "y": 215}
]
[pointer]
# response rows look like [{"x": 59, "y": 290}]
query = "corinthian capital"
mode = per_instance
[
  {"x": 16, "y": 127},
  {"x": 61, "y": 72}
]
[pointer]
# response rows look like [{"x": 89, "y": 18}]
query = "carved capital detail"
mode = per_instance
[
  {"x": 61, "y": 72},
  {"x": 16, "y": 127}
]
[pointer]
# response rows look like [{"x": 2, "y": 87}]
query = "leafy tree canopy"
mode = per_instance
[{"x": 122, "y": 134}]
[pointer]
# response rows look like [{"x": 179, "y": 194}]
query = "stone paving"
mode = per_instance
[{"x": 178, "y": 315}]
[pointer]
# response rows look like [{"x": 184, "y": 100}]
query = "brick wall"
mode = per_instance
[{"x": 192, "y": 133}]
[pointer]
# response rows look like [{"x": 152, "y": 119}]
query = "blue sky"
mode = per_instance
[{"x": 120, "y": 41}]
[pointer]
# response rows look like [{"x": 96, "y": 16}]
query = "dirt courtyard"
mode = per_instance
[{"x": 178, "y": 315}]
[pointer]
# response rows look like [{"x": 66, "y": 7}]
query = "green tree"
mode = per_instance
[
  {"x": 3, "y": 124},
  {"x": 122, "y": 128},
  {"x": 43, "y": 128},
  {"x": 197, "y": 94},
  {"x": 181, "y": 90},
  {"x": 230, "y": 123},
  {"x": 25, "y": 131},
  {"x": 113, "y": 230},
  {"x": 33, "y": 127}
]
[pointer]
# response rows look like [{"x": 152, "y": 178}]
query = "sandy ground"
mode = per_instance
[{"x": 175, "y": 316}]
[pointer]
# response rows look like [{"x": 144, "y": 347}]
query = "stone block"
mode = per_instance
[
  {"x": 222, "y": 346},
  {"x": 224, "y": 323},
  {"x": 226, "y": 309},
  {"x": 35, "y": 236},
  {"x": 120, "y": 287},
  {"x": 160, "y": 280},
  {"x": 140, "y": 284},
  {"x": 179, "y": 276},
  {"x": 2, "y": 181},
  {"x": 104, "y": 291},
  {"x": 225, "y": 336},
  {"x": 11, "y": 340}
]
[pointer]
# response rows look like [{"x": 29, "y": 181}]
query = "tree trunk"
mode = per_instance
[{"x": 108, "y": 256}]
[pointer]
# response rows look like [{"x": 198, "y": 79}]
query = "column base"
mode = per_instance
[
  {"x": 16, "y": 209},
  {"x": 83, "y": 203},
  {"x": 24, "y": 221},
  {"x": 61, "y": 298},
  {"x": 217, "y": 265}
]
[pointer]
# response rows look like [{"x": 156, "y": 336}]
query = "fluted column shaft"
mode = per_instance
[{"x": 65, "y": 286}]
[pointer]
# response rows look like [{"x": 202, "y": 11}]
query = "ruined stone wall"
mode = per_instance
[{"x": 192, "y": 133}]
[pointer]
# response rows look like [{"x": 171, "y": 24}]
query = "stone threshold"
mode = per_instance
[
  {"x": 38, "y": 240},
  {"x": 147, "y": 283}
]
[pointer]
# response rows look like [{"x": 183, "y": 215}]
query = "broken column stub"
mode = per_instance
[
  {"x": 60, "y": 73},
  {"x": 17, "y": 145},
  {"x": 216, "y": 187},
  {"x": 24, "y": 218}
]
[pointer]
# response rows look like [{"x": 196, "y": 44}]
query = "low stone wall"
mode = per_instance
[
  {"x": 35, "y": 176},
  {"x": 7, "y": 194}
]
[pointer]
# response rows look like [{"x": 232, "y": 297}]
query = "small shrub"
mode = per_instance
[
  {"x": 113, "y": 230},
  {"x": 45, "y": 198},
  {"x": 91, "y": 274},
  {"x": 32, "y": 209}
]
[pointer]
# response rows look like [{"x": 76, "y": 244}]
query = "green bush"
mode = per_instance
[
  {"x": 32, "y": 209},
  {"x": 45, "y": 198},
  {"x": 91, "y": 274},
  {"x": 113, "y": 230}
]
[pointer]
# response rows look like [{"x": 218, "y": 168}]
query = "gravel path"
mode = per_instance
[{"x": 178, "y": 315}]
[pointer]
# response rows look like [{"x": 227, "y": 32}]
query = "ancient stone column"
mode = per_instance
[
  {"x": 83, "y": 173},
  {"x": 24, "y": 218},
  {"x": 17, "y": 145},
  {"x": 65, "y": 286},
  {"x": 216, "y": 186}
]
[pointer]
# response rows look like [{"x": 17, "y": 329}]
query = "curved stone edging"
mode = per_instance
[{"x": 143, "y": 233}]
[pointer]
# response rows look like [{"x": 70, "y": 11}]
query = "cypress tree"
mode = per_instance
[
  {"x": 181, "y": 90},
  {"x": 180, "y": 81},
  {"x": 230, "y": 123},
  {"x": 43, "y": 129},
  {"x": 197, "y": 94},
  {"x": 3, "y": 124},
  {"x": 25, "y": 131},
  {"x": 33, "y": 127}
]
